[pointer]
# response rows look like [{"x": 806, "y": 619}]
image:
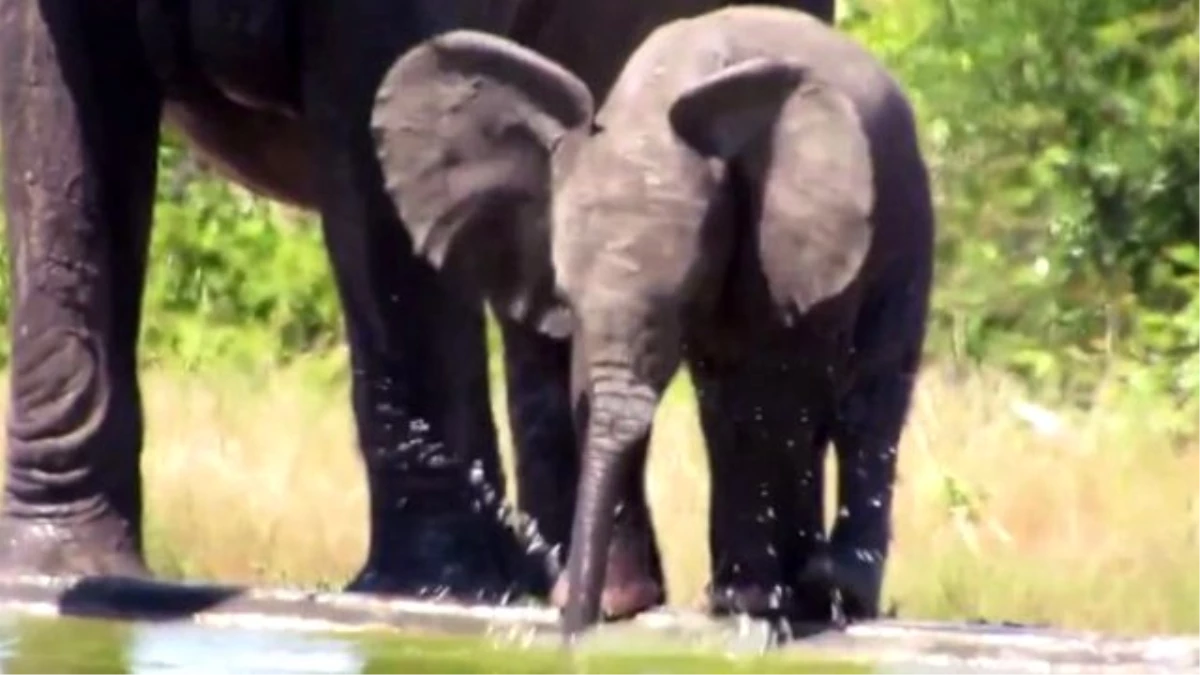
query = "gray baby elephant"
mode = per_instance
[{"x": 750, "y": 200}]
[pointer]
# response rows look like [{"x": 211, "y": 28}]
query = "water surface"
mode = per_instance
[{"x": 41, "y": 645}]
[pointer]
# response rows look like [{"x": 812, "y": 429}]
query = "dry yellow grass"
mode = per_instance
[{"x": 1095, "y": 527}]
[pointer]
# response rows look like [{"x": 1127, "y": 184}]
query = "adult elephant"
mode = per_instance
[{"x": 278, "y": 94}]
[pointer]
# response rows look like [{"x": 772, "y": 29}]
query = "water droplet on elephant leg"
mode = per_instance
[
  {"x": 869, "y": 555},
  {"x": 775, "y": 598}
]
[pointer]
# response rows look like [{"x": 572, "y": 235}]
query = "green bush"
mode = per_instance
[
  {"x": 233, "y": 277},
  {"x": 1063, "y": 141}
]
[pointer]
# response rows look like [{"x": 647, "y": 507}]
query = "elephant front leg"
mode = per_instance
[
  {"x": 79, "y": 111},
  {"x": 748, "y": 556},
  {"x": 545, "y": 446},
  {"x": 766, "y": 445},
  {"x": 424, "y": 421},
  {"x": 418, "y": 355},
  {"x": 425, "y": 430}
]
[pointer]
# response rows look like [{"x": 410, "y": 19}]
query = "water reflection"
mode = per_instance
[
  {"x": 185, "y": 648},
  {"x": 41, "y": 645},
  {"x": 34, "y": 645}
]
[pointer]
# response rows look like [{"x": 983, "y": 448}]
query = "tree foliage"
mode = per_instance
[
  {"x": 234, "y": 276},
  {"x": 1063, "y": 139}
]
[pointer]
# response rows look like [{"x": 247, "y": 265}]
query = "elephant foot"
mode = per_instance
[
  {"x": 101, "y": 546},
  {"x": 858, "y": 577},
  {"x": 842, "y": 585},
  {"x": 806, "y": 602},
  {"x": 630, "y": 583},
  {"x": 757, "y": 600},
  {"x": 469, "y": 558},
  {"x": 830, "y": 588}
]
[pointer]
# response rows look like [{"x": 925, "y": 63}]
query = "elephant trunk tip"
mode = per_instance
[{"x": 621, "y": 415}]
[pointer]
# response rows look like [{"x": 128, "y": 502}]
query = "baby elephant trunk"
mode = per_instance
[{"x": 621, "y": 410}]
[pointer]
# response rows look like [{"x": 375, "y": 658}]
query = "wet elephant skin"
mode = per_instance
[
  {"x": 749, "y": 200},
  {"x": 277, "y": 96}
]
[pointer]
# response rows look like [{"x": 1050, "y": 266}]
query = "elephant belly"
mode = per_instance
[
  {"x": 248, "y": 49},
  {"x": 263, "y": 151}
]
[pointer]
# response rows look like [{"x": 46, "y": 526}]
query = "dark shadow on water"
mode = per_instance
[
  {"x": 798, "y": 630},
  {"x": 123, "y": 598}
]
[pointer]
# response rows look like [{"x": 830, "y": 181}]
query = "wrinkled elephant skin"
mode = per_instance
[
  {"x": 277, "y": 95},
  {"x": 750, "y": 201}
]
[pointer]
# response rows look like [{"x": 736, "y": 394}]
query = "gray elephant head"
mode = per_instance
[{"x": 509, "y": 182}]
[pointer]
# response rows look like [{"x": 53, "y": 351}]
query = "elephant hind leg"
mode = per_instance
[
  {"x": 867, "y": 437},
  {"x": 867, "y": 429},
  {"x": 803, "y": 528},
  {"x": 80, "y": 114}
]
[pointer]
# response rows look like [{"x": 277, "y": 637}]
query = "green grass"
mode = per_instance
[{"x": 256, "y": 479}]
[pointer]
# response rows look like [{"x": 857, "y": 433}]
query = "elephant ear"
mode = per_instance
[
  {"x": 802, "y": 144},
  {"x": 466, "y": 125}
]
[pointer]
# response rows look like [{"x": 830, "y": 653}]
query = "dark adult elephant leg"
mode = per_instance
[
  {"x": 540, "y": 415},
  {"x": 419, "y": 383},
  {"x": 79, "y": 111},
  {"x": 543, "y": 420},
  {"x": 423, "y": 414}
]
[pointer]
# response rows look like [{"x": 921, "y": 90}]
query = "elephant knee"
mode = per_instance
[{"x": 60, "y": 388}]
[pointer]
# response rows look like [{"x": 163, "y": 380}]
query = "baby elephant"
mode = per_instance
[{"x": 750, "y": 200}]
